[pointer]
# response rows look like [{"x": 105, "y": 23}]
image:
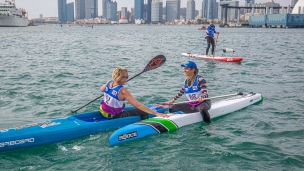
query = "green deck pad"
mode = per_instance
[{"x": 167, "y": 123}]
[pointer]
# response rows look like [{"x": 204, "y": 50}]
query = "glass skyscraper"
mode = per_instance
[
  {"x": 62, "y": 11},
  {"x": 124, "y": 12},
  {"x": 104, "y": 8},
  {"x": 80, "y": 9},
  {"x": 172, "y": 10},
  {"x": 157, "y": 11},
  {"x": 190, "y": 13},
  {"x": 138, "y": 9},
  {"x": 147, "y": 11},
  {"x": 86, "y": 9},
  {"x": 112, "y": 11},
  {"x": 70, "y": 12}
]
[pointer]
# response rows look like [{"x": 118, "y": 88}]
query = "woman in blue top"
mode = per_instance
[
  {"x": 195, "y": 88},
  {"x": 210, "y": 37}
]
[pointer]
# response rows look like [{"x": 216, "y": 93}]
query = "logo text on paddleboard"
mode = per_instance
[
  {"x": 127, "y": 136},
  {"x": 17, "y": 142}
]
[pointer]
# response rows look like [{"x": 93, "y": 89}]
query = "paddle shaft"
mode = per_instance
[
  {"x": 156, "y": 62},
  {"x": 215, "y": 97},
  {"x": 73, "y": 111},
  {"x": 215, "y": 45}
]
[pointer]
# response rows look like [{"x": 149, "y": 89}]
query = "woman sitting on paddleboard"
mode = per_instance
[
  {"x": 114, "y": 96},
  {"x": 195, "y": 88},
  {"x": 210, "y": 37}
]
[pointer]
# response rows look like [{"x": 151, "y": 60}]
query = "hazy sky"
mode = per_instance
[{"x": 49, "y": 7}]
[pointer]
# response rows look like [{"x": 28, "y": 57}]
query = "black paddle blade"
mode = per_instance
[{"x": 156, "y": 62}]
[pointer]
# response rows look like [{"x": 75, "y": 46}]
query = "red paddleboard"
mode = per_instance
[{"x": 222, "y": 59}]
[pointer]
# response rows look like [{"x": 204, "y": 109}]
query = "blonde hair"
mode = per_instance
[
  {"x": 191, "y": 80},
  {"x": 118, "y": 74}
]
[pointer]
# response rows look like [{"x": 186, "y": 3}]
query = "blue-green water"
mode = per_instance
[{"x": 47, "y": 71}]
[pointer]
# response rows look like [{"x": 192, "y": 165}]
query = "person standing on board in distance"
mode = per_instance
[
  {"x": 114, "y": 96},
  {"x": 195, "y": 88},
  {"x": 210, "y": 37}
]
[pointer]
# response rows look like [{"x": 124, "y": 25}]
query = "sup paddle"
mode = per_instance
[
  {"x": 154, "y": 63},
  {"x": 215, "y": 46},
  {"x": 215, "y": 97}
]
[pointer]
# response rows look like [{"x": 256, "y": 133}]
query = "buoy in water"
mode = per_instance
[{"x": 226, "y": 50}]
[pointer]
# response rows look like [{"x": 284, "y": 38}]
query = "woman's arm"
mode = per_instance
[
  {"x": 127, "y": 95},
  {"x": 178, "y": 95},
  {"x": 102, "y": 88},
  {"x": 203, "y": 85}
]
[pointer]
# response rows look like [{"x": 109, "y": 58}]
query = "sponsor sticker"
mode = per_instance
[
  {"x": 127, "y": 136},
  {"x": 44, "y": 125},
  {"x": 114, "y": 92}
]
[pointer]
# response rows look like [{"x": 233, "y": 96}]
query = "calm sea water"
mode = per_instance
[{"x": 46, "y": 71}]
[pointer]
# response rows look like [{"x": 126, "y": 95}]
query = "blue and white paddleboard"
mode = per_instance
[{"x": 158, "y": 125}]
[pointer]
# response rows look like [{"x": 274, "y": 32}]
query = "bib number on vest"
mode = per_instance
[
  {"x": 192, "y": 97},
  {"x": 107, "y": 98}
]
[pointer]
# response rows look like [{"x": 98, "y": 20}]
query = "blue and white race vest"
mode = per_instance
[
  {"x": 193, "y": 92},
  {"x": 111, "y": 103}
]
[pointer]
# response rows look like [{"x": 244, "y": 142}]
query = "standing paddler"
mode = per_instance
[{"x": 210, "y": 31}]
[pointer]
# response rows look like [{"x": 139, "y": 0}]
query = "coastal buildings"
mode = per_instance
[
  {"x": 112, "y": 11},
  {"x": 70, "y": 12},
  {"x": 138, "y": 9},
  {"x": 172, "y": 10},
  {"x": 104, "y": 8},
  {"x": 86, "y": 9},
  {"x": 273, "y": 19},
  {"x": 209, "y": 9},
  {"x": 62, "y": 11},
  {"x": 157, "y": 11},
  {"x": 190, "y": 13},
  {"x": 232, "y": 14}
]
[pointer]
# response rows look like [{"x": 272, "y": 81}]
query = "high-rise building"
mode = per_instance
[
  {"x": 91, "y": 8},
  {"x": 124, "y": 12},
  {"x": 210, "y": 9},
  {"x": 138, "y": 9},
  {"x": 112, "y": 11},
  {"x": 70, "y": 12},
  {"x": 204, "y": 8},
  {"x": 62, "y": 11},
  {"x": 104, "y": 8},
  {"x": 157, "y": 11},
  {"x": 147, "y": 11},
  {"x": 86, "y": 9},
  {"x": 172, "y": 10},
  {"x": 190, "y": 14},
  {"x": 80, "y": 9}
]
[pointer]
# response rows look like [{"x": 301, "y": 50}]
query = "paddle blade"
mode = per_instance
[{"x": 156, "y": 62}]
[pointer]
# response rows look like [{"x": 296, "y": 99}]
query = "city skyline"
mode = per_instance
[{"x": 50, "y": 8}]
